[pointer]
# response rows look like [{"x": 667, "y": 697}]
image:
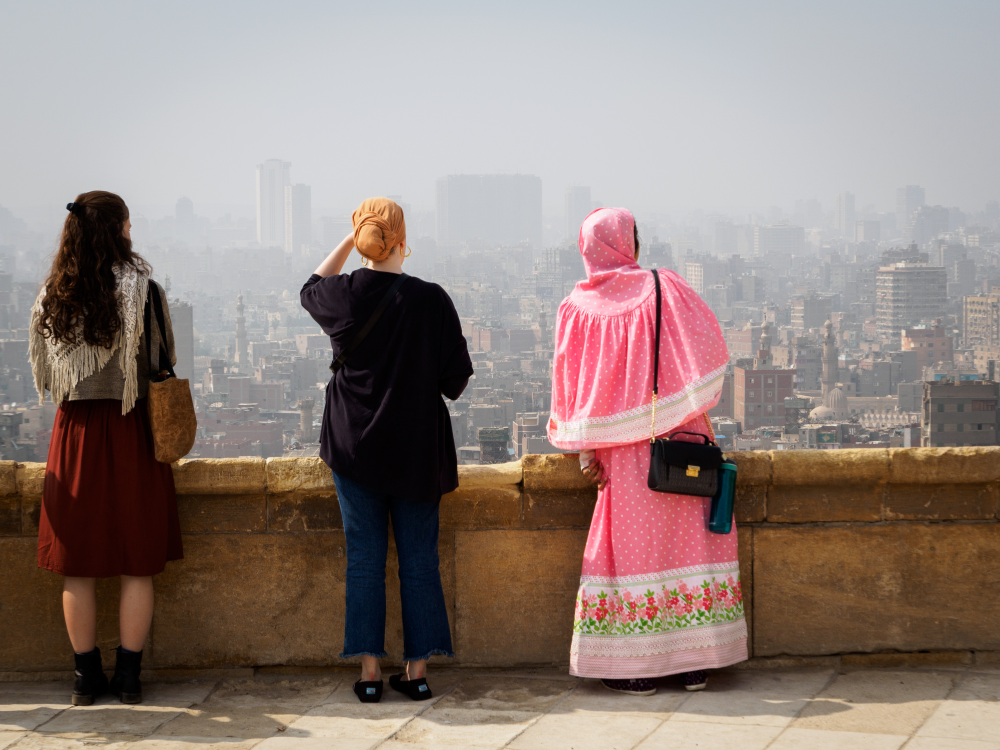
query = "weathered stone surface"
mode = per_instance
[
  {"x": 490, "y": 475},
  {"x": 559, "y": 510},
  {"x": 941, "y": 502},
  {"x": 291, "y": 474},
  {"x": 32, "y": 630},
  {"x": 745, "y": 541},
  {"x": 304, "y": 511},
  {"x": 852, "y": 466},
  {"x": 907, "y": 587},
  {"x": 206, "y": 514},
  {"x": 922, "y": 659},
  {"x": 753, "y": 467},
  {"x": 516, "y": 583},
  {"x": 751, "y": 503},
  {"x": 944, "y": 465},
  {"x": 8, "y": 477},
  {"x": 31, "y": 514},
  {"x": 10, "y": 515},
  {"x": 555, "y": 471},
  {"x": 827, "y": 502},
  {"x": 30, "y": 478},
  {"x": 219, "y": 476},
  {"x": 482, "y": 507}
]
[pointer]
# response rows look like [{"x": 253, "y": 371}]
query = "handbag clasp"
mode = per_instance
[{"x": 693, "y": 471}]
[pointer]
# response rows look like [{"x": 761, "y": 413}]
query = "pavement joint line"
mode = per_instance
[
  {"x": 544, "y": 713},
  {"x": 418, "y": 713},
  {"x": 833, "y": 678}
]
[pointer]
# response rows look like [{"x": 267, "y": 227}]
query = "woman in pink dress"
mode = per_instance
[{"x": 659, "y": 593}]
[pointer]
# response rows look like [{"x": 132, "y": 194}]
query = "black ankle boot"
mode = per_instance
[
  {"x": 91, "y": 682},
  {"x": 125, "y": 684}
]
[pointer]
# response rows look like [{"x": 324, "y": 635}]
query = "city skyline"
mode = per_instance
[{"x": 727, "y": 109}]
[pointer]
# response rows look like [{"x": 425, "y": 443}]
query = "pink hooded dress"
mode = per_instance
[{"x": 659, "y": 593}]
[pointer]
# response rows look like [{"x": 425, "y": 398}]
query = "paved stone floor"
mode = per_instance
[{"x": 819, "y": 709}]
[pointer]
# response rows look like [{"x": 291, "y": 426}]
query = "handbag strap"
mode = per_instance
[
  {"x": 153, "y": 295},
  {"x": 356, "y": 341},
  {"x": 656, "y": 355}
]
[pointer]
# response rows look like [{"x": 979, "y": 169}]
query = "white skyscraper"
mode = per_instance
[
  {"x": 845, "y": 215},
  {"x": 298, "y": 218},
  {"x": 272, "y": 178},
  {"x": 578, "y": 206}
]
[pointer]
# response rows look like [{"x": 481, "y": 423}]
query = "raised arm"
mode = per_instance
[{"x": 335, "y": 261}]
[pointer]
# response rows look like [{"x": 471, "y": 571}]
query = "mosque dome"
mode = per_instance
[
  {"x": 837, "y": 402},
  {"x": 821, "y": 414}
]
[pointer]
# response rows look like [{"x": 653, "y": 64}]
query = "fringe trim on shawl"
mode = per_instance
[{"x": 59, "y": 367}]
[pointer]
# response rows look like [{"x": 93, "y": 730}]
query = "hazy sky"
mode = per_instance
[{"x": 661, "y": 106}]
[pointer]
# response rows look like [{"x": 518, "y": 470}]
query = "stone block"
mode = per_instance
[
  {"x": 753, "y": 467},
  {"x": 941, "y": 502},
  {"x": 515, "y": 604},
  {"x": 745, "y": 546},
  {"x": 241, "y": 600},
  {"x": 291, "y": 474},
  {"x": 973, "y": 465},
  {"x": 850, "y": 466},
  {"x": 903, "y": 587},
  {"x": 220, "y": 476},
  {"x": 490, "y": 475},
  {"x": 559, "y": 510},
  {"x": 554, "y": 471},
  {"x": 8, "y": 478},
  {"x": 827, "y": 502},
  {"x": 31, "y": 619},
  {"x": 30, "y": 478},
  {"x": 482, "y": 507},
  {"x": 10, "y": 515},
  {"x": 226, "y": 514},
  {"x": 304, "y": 511},
  {"x": 31, "y": 514},
  {"x": 751, "y": 503}
]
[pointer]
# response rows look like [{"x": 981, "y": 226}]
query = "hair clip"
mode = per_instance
[{"x": 75, "y": 208}]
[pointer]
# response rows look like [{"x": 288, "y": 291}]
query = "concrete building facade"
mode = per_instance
[{"x": 959, "y": 414}]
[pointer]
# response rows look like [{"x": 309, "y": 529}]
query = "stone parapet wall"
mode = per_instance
[{"x": 841, "y": 552}]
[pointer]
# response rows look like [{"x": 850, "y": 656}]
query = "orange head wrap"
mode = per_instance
[{"x": 378, "y": 227}]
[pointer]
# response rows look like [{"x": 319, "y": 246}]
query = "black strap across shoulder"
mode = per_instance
[
  {"x": 163, "y": 357},
  {"x": 656, "y": 350},
  {"x": 356, "y": 341}
]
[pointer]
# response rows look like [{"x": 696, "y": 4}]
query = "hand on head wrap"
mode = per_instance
[{"x": 378, "y": 227}]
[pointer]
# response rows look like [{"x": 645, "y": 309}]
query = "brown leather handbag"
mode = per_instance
[{"x": 172, "y": 419}]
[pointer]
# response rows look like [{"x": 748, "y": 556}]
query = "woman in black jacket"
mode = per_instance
[{"x": 387, "y": 437}]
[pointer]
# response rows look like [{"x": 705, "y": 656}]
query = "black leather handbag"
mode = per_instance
[{"x": 680, "y": 467}]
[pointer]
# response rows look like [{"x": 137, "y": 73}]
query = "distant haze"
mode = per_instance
[{"x": 660, "y": 106}]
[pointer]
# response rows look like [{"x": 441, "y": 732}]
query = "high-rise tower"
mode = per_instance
[
  {"x": 831, "y": 363},
  {"x": 272, "y": 177},
  {"x": 242, "y": 355}
]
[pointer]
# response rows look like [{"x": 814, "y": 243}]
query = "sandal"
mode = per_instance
[
  {"x": 368, "y": 692},
  {"x": 631, "y": 687},
  {"x": 418, "y": 689}
]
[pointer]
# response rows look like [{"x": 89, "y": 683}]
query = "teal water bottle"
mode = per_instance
[{"x": 720, "y": 517}]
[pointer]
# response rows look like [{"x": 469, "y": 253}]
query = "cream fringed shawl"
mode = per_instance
[{"x": 59, "y": 367}]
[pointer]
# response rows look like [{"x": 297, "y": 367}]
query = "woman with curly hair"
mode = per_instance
[{"x": 109, "y": 508}]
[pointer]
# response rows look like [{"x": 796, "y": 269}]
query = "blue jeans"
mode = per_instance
[{"x": 366, "y": 515}]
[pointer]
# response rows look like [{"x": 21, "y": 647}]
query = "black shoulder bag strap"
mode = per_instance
[
  {"x": 163, "y": 358},
  {"x": 656, "y": 350},
  {"x": 356, "y": 341}
]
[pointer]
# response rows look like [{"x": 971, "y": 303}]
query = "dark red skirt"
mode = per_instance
[{"x": 109, "y": 507}]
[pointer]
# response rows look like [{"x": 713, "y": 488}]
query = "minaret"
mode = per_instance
[
  {"x": 242, "y": 356},
  {"x": 763, "y": 359},
  {"x": 306, "y": 420},
  {"x": 831, "y": 357}
]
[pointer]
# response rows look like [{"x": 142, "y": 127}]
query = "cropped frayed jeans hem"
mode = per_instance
[
  {"x": 380, "y": 655},
  {"x": 429, "y": 654}
]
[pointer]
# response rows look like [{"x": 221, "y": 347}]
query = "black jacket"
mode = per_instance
[{"x": 385, "y": 424}]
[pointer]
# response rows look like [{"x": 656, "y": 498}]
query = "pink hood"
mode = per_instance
[{"x": 602, "y": 374}]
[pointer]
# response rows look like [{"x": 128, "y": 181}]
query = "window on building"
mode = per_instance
[
  {"x": 750, "y": 394},
  {"x": 770, "y": 394},
  {"x": 770, "y": 380},
  {"x": 984, "y": 406},
  {"x": 940, "y": 407},
  {"x": 961, "y": 407},
  {"x": 940, "y": 428},
  {"x": 961, "y": 428},
  {"x": 979, "y": 427}
]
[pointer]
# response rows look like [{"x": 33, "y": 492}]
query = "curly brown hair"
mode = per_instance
[{"x": 81, "y": 284}]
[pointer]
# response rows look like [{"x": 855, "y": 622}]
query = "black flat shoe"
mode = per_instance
[
  {"x": 368, "y": 692},
  {"x": 418, "y": 690}
]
